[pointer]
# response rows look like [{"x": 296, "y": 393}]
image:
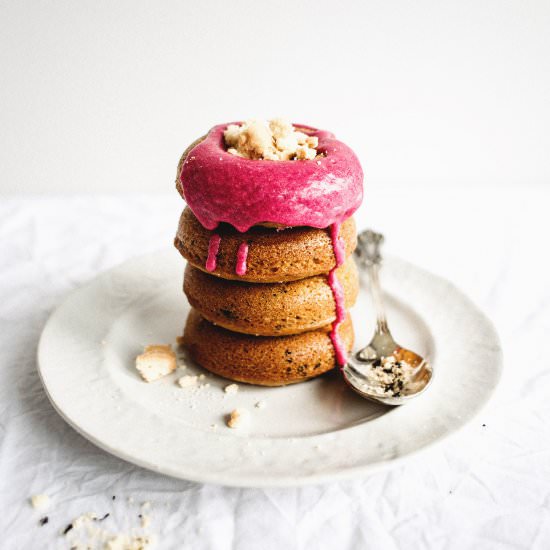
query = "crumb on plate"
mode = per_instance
[
  {"x": 231, "y": 388},
  {"x": 155, "y": 362},
  {"x": 187, "y": 381},
  {"x": 239, "y": 418}
]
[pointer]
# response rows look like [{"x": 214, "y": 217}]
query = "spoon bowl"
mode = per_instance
[{"x": 389, "y": 378}]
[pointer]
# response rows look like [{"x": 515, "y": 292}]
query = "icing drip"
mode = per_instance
[
  {"x": 213, "y": 247},
  {"x": 338, "y": 294},
  {"x": 242, "y": 254},
  {"x": 337, "y": 244}
]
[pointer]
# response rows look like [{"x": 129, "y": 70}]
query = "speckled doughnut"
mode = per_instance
[
  {"x": 273, "y": 255},
  {"x": 263, "y": 360},
  {"x": 270, "y": 309}
]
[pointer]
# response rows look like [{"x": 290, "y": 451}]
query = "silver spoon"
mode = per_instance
[{"x": 383, "y": 371}]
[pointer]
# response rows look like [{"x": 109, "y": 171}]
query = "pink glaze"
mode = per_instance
[
  {"x": 213, "y": 247},
  {"x": 338, "y": 294},
  {"x": 337, "y": 244},
  {"x": 221, "y": 187},
  {"x": 242, "y": 253}
]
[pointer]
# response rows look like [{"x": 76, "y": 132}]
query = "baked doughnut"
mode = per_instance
[
  {"x": 221, "y": 187},
  {"x": 263, "y": 360},
  {"x": 269, "y": 309},
  {"x": 273, "y": 255}
]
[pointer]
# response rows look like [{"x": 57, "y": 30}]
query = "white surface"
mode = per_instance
[
  {"x": 104, "y": 96},
  {"x": 309, "y": 433},
  {"x": 486, "y": 488}
]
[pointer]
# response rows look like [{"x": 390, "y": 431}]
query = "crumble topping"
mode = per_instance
[
  {"x": 155, "y": 362},
  {"x": 276, "y": 139}
]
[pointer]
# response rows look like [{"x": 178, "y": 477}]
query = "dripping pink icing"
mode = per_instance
[
  {"x": 338, "y": 294},
  {"x": 337, "y": 244},
  {"x": 213, "y": 247},
  {"x": 242, "y": 254},
  {"x": 221, "y": 187}
]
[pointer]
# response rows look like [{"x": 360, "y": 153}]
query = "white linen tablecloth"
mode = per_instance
[{"x": 486, "y": 488}]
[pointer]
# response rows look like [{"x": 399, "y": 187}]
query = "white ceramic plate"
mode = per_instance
[{"x": 307, "y": 433}]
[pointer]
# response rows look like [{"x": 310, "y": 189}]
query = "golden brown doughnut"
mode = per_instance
[
  {"x": 269, "y": 309},
  {"x": 263, "y": 360},
  {"x": 273, "y": 255}
]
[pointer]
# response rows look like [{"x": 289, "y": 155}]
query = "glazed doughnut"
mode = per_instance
[{"x": 221, "y": 187}]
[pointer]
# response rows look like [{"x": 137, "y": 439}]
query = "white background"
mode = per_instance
[
  {"x": 447, "y": 105},
  {"x": 101, "y": 96}
]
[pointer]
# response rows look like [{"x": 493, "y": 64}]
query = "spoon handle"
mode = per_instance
[
  {"x": 376, "y": 292},
  {"x": 368, "y": 252}
]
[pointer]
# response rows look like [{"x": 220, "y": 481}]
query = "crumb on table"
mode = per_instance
[
  {"x": 87, "y": 531},
  {"x": 40, "y": 501}
]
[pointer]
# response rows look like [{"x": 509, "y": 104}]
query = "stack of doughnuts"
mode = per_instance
[{"x": 270, "y": 274}]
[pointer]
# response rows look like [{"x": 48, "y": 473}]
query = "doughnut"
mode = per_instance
[
  {"x": 270, "y": 309},
  {"x": 272, "y": 256},
  {"x": 263, "y": 360},
  {"x": 221, "y": 187}
]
